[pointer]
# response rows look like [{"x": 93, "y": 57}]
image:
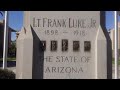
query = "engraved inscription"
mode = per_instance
[
  {"x": 44, "y": 45},
  {"x": 76, "y": 46},
  {"x": 72, "y": 34},
  {"x": 65, "y": 22},
  {"x": 53, "y": 45},
  {"x": 87, "y": 46},
  {"x": 64, "y": 45}
]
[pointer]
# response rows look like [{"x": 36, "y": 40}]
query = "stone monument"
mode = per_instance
[{"x": 64, "y": 45}]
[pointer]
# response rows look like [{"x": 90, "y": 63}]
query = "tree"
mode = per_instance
[{"x": 12, "y": 49}]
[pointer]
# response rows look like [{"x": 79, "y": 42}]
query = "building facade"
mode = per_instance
[
  {"x": 112, "y": 36},
  {"x": 2, "y": 36}
]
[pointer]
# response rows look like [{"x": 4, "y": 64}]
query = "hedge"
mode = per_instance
[{"x": 6, "y": 74}]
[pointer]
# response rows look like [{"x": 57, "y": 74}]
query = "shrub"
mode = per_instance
[{"x": 6, "y": 74}]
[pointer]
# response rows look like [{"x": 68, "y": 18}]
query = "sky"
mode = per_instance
[
  {"x": 16, "y": 21},
  {"x": 110, "y": 19}
]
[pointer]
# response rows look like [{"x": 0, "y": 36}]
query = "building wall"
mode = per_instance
[
  {"x": 2, "y": 38},
  {"x": 112, "y": 35}
]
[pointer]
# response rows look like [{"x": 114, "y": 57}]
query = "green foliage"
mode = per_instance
[
  {"x": 12, "y": 49},
  {"x": 6, "y": 74},
  {"x": 113, "y": 61},
  {"x": 9, "y": 59}
]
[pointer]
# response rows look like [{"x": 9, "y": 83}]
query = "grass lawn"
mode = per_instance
[
  {"x": 113, "y": 61},
  {"x": 9, "y": 59}
]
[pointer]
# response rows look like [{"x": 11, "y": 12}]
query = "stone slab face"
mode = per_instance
[{"x": 74, "y": 45}]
